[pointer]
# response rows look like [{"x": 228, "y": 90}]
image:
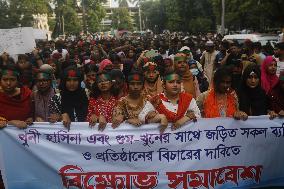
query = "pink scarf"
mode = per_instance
[
  {"x": 104, "y": 64},
  {"x": 268, "y": 81}
]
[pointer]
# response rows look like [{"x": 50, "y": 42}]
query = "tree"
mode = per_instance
[
  {"x": 95, "y": 14},
  {"x": 122, "y": 3},
  {"x": 72, "y": 23},
  {"x": 36, "y": 6},
  {"x": 93, "y": 21},
  {"x": 200, "y": 24},
  {"x": 153, "y": 15},
  {"x": 179, "y": 15},
  {"x": 121, "y": 19},
  {"x": 251, "y": 14},
  {"x": 19, "y": 13},
  {"x": 172, "y": 12},
  {"x": 5, "y": 16}
]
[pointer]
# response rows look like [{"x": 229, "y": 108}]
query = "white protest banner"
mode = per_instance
[
  {"x": 211, "y": 153},
  {"x": 40, "y": 34},
  {"x": 17, "y": 40}
]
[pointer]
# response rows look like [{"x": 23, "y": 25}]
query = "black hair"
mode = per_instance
[
  {"x": 10, "y": 61},
  {"x": 95, "y": 91},
  {"x": 23, "y": 57},
  {"x": 116, "y": 73},
  {"x": 114, "y": 58},
  {"x": 169, "y": 72},
  {"x": 11, "y": 67},
  {"x": 90, "y": 68},
  {"x": 235, "y": 43},
  {"x": 136, "y": 71},
  {"x": 225, "y": 44},
  {"x": 64, "y": 76},
  {"x": 280, "y": 45},
  {"x": 59, "y": 44},
  {"x": 257, "y": 45},
  {"x": 220, "y": 74},
  {"x": 58, "y": 71}
]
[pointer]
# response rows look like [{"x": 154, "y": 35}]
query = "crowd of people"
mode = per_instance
[{"x": 140, "y": 80}]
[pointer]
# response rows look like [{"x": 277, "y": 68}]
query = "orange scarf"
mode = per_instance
[
  {"x": 211, "y": 108},
  {"x": 183, "y": 103}
]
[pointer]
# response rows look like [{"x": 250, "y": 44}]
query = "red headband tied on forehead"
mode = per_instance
[
  {"x": 72, "y": 73},
  {"x": 10, "y": 73},
  {"x": 152, "y": 67},
  {"x": 136, "y": 77}
]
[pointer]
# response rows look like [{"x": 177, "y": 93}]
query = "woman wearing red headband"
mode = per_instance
[{"x": 15, "y": 101}]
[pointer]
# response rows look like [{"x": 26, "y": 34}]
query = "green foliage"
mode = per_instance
[
  {"x": 35, "y": 6},
  {"x": 176, "y": 15},
  {"x": 121, "y": 19},
  {"x": 5, "y": 16},
  {"x": 51, "y": 23},
  {"x": 69, "y": 10},
  {"x": 125, "y": 3},
  {"x": 122, "y": 3},
  {"x": 179, "y": 15},
  {"x": 153, "y": 14},
  {"x": 174, "y": 19},
  {"x": 200, "y": 24},
  {"x": 93, "y": 21},
  {"x": 203, "y": 15},
  {"x": 95, "y": 15},
  {"x": 251, "y": 14},
  {"x": 19, "y": 13},
  {"x": 72, "y": 23}
]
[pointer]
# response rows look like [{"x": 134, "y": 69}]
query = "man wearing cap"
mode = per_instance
[
  {"x": 186, "y": 50},
  {"x": 153, "y": 83},
  {"x": 208, "y": 59},
  {"x": 42, "y": 96}
]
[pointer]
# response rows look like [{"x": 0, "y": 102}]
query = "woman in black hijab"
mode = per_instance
[
  {"x": 252, "y": 98},
  {"x": 72, "y": 103}
]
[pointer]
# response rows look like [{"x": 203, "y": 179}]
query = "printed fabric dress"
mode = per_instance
[{"x": 103, "y": 107}]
